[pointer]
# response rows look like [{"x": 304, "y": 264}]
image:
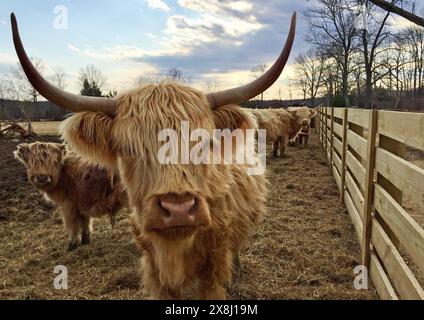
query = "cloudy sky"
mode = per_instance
[{"x": 208, "y": 40}]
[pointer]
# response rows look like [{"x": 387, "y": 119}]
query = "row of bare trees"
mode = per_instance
[{"x": 358, "y": 57}]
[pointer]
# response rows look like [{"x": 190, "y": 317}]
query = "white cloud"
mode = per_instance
[
  {"x": 6, "y": 59},
  {"x": 215, "y": 6},
  {"x": 235, "y": 78},
  {"x": 3, "y": 22},
  {"x": 158, "y": 4}
]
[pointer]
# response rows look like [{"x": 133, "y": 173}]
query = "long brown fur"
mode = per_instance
[
  {"x": 79, "y": 190},
  {"x": 282, "y": 125},
  {"x": 230, "y": 201}
]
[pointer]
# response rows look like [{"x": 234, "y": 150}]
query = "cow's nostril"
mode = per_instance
[
  {"x": 42, "y": 179},
  {"x": 178, "y": 208}
]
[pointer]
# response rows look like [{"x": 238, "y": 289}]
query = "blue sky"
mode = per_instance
[{"x": 215, "y": 40}]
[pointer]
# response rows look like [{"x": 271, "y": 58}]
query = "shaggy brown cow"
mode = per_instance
[
  {"x": 80, "y": 191},
  {"x": 190, "y": 220},
  {"x": 282, "y": 125}
]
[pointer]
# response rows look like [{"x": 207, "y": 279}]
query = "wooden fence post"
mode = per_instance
[
  {"x": 369, "y": 188},
  {"x": 344, "y": 147},
  {"x": 318, "y": 122},
  {"x": 326, "y": 132},
  {"x": 331, "y": 138},
  {"x": 322, "y": 126}
]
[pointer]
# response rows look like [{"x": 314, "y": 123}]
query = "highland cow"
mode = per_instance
[
  {"x": 80, "y": 191},
  {"x": 190, "y": 220},
  {"x": 283, "y": 126}
]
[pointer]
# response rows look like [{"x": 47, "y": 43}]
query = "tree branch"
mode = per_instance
[{"x": 403, "y": 13}]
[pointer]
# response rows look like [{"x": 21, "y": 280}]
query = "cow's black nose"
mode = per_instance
[{"x": 42, "y": 179}]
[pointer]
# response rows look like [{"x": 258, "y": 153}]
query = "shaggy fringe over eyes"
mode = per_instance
[
  {"x": 89, "y": 134},
  {"x": 144, "y": 112},
  {"x": 39, "y": 153}
]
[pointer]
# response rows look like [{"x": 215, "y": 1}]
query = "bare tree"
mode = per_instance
[
  {"x": 309, "y": 72},
  {"x": 257, "y": 72},
  {"x": 93, "y": 76},
  {"x": 20, "y": 86},
  {"x": 175, "y": 74},
  {"x": 211, "y": 86},
  {"x": 373, "y": 36},
  {"x": 58, "y": 78},
  {"x": 332, "y": 30}
]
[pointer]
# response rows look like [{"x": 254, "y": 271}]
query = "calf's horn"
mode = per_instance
[
  {"x": 47, "y": 90},
  {"x": 251, "y": 90}
]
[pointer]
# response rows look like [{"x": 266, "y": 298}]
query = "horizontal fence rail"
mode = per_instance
[{"x": 366, "y": 150}]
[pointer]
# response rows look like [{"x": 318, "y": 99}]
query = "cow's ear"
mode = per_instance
[
  {"x": 313, "y": 114},
  {"x": 89, "y": 134},
  {"x": 233, "y": 117},
  {"x": 22, "y": 153}
]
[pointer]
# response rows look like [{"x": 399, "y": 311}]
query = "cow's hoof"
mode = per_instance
[
  {"x": 72, "y": 246},
  {"x": 85, "y": 239}
]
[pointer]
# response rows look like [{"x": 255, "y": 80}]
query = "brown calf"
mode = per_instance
[{"x": 80, "y": 191}]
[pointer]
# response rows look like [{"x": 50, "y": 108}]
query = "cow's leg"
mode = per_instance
[
  {"x": 85, "y": 234},
  {"x": 306, "y": 139},
  {"x": 283, "y": 145},
  {"x": 112, "y": 220},
  {"x": 275, "y": 148},
  {"x": 215, "y": 275},
  {"x": 152, "y": 287},
  {"x": 73, "y": 224}
]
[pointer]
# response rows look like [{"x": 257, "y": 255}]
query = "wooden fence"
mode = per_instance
[{"x": 366, "y": 150}]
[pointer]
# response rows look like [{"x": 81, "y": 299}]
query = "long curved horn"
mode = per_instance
[
  {"x": 58, "y": 96},
  {"x": 246, "y": 92}
]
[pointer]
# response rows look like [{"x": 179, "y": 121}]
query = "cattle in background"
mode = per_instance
[
  {"x": 192, "y": 220},
  {"x": 283, "y": 126},
  {"x": 307, "y": 116},
  {"x": 80, "y": 191}
]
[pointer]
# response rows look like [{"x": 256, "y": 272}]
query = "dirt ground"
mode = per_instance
[{"x": 305, "y": 248}]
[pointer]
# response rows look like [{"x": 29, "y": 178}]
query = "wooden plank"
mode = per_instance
[
  {"x": 331, "y": 136},
  {"x": 356, "y": 195},
  {"x": 402, "y": 277},
  {"x": 359, "y": 117},
  {"x": 338, "y": 129},
  {"x": 337, "y": 144},
  {"x": 356, "y": 168},
  {"x": 404, "y": 227},
  {"x": 381, "y": 282},
  {"x": 337, "y": 178},
  {"x": 357, "y": 143},
  {"x": 405, "y": 127},
  {"x": 343, "y": 172},
  {"x": 337, "y": 162},
  {"x": 326, "y": 128},
  {"x": 354, "y": 216},
  {"x": 402, "y": 174},
  {"x": 339, "y": 112},
  {"x": 369, "y": 187}
]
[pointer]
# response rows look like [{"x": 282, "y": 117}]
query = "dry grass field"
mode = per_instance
[
  {"x": 305, "y": 248},
  {"x": 44, "y": 128}
]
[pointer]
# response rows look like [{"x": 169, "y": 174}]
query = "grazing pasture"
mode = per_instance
[{"x": 305, "y": 248}]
